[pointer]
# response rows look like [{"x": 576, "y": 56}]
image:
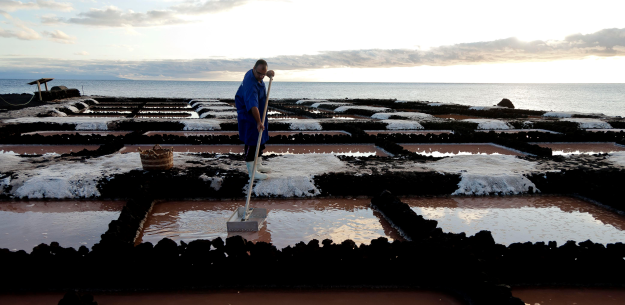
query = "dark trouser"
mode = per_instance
[{"x": 250, "y": 150}]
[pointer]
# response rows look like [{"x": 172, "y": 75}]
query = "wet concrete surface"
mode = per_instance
[
  {"x": 26, "y": 224},
  {"x": 441, "y": 150},
  {"x": 377, "y": 132},
  {"x": 244, "y": 297},
  {"x": 522, "y": 219},
  {"x": 570, "y": 296},
  {"x": 357, "y": 150},
  {"x": 84, "y": 133},
  {"x": 288, "y": 221},
  {"x": 581, "y": 148},
  {"x": 44, "y": 149}
]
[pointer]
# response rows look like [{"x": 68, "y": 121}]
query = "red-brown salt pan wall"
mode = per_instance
[
  {"x": 582, "y": 148},
  {"x": 288, "y": 221},
  {"x": 44, "y": 149},
  {"x": 376, "y": 132},
  {"x": 337, "y": 149},
  {"x": 243, "y": 297},
  {"x": 566, "y": 296},
  {"x": 24, "y": 225},
  {"x": 439, "y": 150},
  {"x": 522, "y": 219}
]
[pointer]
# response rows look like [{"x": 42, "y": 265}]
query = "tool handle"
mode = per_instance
[{"x": 260, "y": 136}]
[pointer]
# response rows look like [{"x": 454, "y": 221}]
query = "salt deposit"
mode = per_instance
[
  {"x": 408, "y": 115},
  {"x": 316, "y": 105},
  {"x": 292, "y": 175},
  {"x": 309, "y": 101},
  {"x": 489, "y": 124},
  {"x": 618, "y": 158},
  {"x": 220, "y": 115},
  {"x": 402, "y": 125},
  {"x": 215, "y": 108},
  {"x": 486, "y": 107},
  {"x": 585, "y": 123},
  {"x": 488, "y": 174},
  {"x": 215, "y": 181},
  {"x": 200, "y": 124},
  {"x": 71, "y": 108},
  {"x": 345, "y": 108},
  {"x": 82, "y": 123},
  {"x": 303, "y": 124}
]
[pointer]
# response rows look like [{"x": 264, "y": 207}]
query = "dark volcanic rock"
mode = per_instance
[{"x": 506, "y": 103}]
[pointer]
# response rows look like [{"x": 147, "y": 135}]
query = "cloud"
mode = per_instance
[
  {"x": 60, "y": 37},
  {"x": 604, "y": 43},
  {"x": 20, "y": 31},
  {"x": 82, "y": 53},
  {"x": 13, "y": 5},
  {"x": 114, "y": 17},
  {"x": 51, "y": 19},
  {"x": 192, "y": 7}
]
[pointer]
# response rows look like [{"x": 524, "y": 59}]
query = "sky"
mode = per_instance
[{"x": 322, "y": 41}]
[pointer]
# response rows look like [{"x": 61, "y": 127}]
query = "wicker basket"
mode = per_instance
[{"x": 157, "y": 158}]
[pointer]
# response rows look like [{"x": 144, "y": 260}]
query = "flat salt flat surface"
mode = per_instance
[
  {"x": 82, "y": 133},
  {"x": 236, "y": 133},
  {"x": 570, "y": 296},
  {"x": 45, "y": 149},
  {"x": 375, "y": 132},
  {"x": 444, "y": 150},
  {"x": 606, "y": 130},
  {"x": 589, "y": 123},
  {"x": 518, "y": 131},
  {"x": 288, "y": 221},
  {"x": 522, "y": 219},
  {"x": 581, "y": 148},
  {"x": 356, "y": 150},
  {"x": 617, "y": 158},
  {"x": 24, "y": 225},
  {"x": 489, "y": 123},
  {"x": 242, "y": 297}
]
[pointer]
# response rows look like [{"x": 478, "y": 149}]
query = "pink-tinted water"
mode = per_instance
[
  {"x": 280, "y": 149},
  {"x": 26, "y": 224},
  {"x": 581, "y": 148},
  {"x": 517, "y": 130},
  {"x": 243, "y": 297},
  {"x": 522, "y": 219},
  {"x": 84, "y": 133},
  {"x": 570, "y": 296},
  {"x": 288, "y": 221},
  {"x": 235, "y": 133},
  {"x": 44, "y": 149},
  {"x": 441, "y": 150},
  {"x": 376, "y": 132}
]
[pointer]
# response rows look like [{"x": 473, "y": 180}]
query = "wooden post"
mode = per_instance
[
  {"x": 46, "y": 83},
  {"x": 39, "y": 86}
]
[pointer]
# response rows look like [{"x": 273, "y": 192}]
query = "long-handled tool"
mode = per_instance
[{"x": 244, "y": 218}]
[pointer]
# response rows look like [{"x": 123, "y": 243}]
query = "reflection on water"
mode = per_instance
[
  {"x": 522, "y": 219},
  {"x": 288, "y": 221},
  {"x": 24, "y": 225},
  {"x": 566, "y": 296},
  {"x": 444, "y": 150}
]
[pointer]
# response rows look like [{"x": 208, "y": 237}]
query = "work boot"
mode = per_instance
[
  {"x": 262, "y": 168},
  {"x": 257, "y": 175}
]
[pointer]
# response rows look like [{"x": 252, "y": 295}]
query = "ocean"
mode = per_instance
[{"x": 608, "y": 99}]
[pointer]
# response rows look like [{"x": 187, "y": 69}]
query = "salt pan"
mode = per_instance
[{"x": 489, "y": 124}]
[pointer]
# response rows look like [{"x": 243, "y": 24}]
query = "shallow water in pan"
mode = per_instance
[
  {"x": 522, "y": 219},
  {"x": 443, "y": 150},
  {"x": 581, "y": 148},
  {"x": 45, "y": 149},
  {"x": 24, "y": 225},
  {"x": 243, "y": 297},
  {"x": 570, "y": 296},
  {"x": 355, "y": 150},
  {"x": 288, "y": 221}
]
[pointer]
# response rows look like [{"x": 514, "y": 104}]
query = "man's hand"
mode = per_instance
[
  {"x": 260, "y": 127},
  {"x": 270, "y": 73}
]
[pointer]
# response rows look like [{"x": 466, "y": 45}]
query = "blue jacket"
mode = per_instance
[{"x": 251, "y": 94}]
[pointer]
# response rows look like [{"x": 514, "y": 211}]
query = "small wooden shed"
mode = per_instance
[{"x": 39, "y": 82}]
